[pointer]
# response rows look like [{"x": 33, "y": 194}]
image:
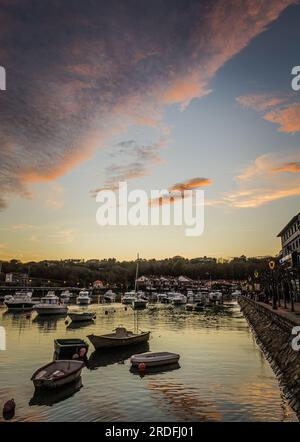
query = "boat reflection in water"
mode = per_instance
[
  {"x": 75, "y": 325},
  {"x": 51, "y": 397},
  {"x": 48, "y": 323},
  {"x": 154, "y": 370},
  {"x": 100, "y": 359}
]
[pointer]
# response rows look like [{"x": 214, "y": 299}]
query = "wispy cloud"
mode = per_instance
[
  {"x": 283, "y": 111},
  {"x": 85, "y": 71},
  {"x": 131, "y": 160},
  {"x": 177, "y": 191},
  {"x": 261, "y": 182}
]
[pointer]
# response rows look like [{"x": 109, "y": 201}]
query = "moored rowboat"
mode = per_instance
[
  {"x": 82, "y": 316},
  {"x": 120, "y": 338},
  {"x": 154, "y": 359},
  {"x": 57, "y": 374}
]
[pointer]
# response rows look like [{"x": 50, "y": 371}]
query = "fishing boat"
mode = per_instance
[
  {"x": 50, "y": 305},
  {"x": 109, "y": 296},
  {"x": 21, "y": 301},
  {"x": 179, "y": 299},
  {"x": 154, "y": 359},
  {"x": 120, "y": 338},
  {"x": 129, "y": 297},
  {"x": 83, "y": 298},
  {"x": 82, "y": 316},
  {"x": 57, "y": 374},
  {"x": 65, "y": 296},
  {"x": 70, "y": 347}
]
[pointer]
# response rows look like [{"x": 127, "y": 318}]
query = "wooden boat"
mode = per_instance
[
  {"x": 82, "y": 316},
  {"x": 70, "y": 347},
  {"x": 57, "y": 374},
  {"x": 154, "y": 359},
  {"x": 120, "y": 338}
]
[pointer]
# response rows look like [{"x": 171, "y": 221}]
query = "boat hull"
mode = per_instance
[
  {"x": 82, "y": 317},
  {"x": 57, "y": 382},
  {"x": 19, "y": 306},
  {"x": 154, "y": 359},
  {"x": 51, "y": 310},
  {"x": 114, "y": 342}
]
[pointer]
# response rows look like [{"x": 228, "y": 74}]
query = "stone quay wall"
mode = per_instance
[{"x": 273, "y": 334}]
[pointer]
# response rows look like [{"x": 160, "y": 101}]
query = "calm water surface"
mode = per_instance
[{"x": 223, "y": 375}]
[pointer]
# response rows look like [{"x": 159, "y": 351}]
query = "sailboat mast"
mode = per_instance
[{"x": 136, "y": 273}]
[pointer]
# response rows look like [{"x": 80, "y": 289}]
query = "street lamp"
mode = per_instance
[{"x": 274, "y": 297}]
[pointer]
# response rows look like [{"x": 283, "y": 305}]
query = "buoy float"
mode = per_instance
[
  {"x": 142, "y": 366},
  {"x": 9, "y": 409},
  {"x": 106, "y": 312},
  {"x": 82, "y": 352},
  {"x": 125, "y": 309}
]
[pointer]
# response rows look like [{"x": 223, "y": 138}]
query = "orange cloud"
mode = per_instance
[
  {"x": 292, "y": 167},
  {"x": 259, "y": 102},
  {"x": 288, "y": 118}
]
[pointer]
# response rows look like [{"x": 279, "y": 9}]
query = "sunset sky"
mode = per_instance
[{"x": 154, "y": 93}]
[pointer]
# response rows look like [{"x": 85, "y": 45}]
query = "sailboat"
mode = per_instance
[{"x": 121, "y": 337}]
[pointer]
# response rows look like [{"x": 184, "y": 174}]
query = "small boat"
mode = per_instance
[
  {"x": 82, "y": 316},
  {"x": 57, "y": 373},
  {"x": 189, "y": 307},
  {"x": 129, "y": 297},
  {"x": 163, "y": 298},
  {"x": 198, "y": 307},
  {"x": 109, "y": 296},
  {"x": 20, "y": 302},
  {"x": 179, "y": 299},
  {"x": 65, "y": 296},
  {"x": 50, "y": 305},
  {"x": 120, "y": 338},
  {"x": 83, "y": 298},
  {"x": 71, "y": 347},
  {"x": 139, "y": 304},
  {"x": 154, "y": 359}
]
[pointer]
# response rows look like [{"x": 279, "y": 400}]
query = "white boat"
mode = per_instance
[
  {"x": 129, "y": 297},
  {"x": 109, "y": 296},
  {"x": 82, "y": 316},
  {"x": 57, "y": 373},
  {"x": 50, "y": 305},
  {"x": 20, "y": 301},
  {"x": 179, "y": 299},
  {"x": 83, "y": 298},
  {"x": 154, "y": 359},
  {"x": 163, "y": 298},
  {"x": 65, "y": 296}
]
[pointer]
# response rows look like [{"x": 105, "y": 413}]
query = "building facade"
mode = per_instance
[{"x": 290, "y": 241}]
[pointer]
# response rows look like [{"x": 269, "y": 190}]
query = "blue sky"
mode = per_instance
[{"x": 208, "y": 95}]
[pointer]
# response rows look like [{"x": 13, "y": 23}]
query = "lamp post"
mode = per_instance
[{"x": 274, "y": 296}]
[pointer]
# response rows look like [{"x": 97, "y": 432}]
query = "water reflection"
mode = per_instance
[
  {"x": 99, "y": 359},
  {"x": 223, "y": 375},
  {"x": 51, "y": 397}
]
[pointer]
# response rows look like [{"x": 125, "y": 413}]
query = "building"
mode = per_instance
[
  {"x": 17, "y": 278},
  {"x": 290, "y": 242}
]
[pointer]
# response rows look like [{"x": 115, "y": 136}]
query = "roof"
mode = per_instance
[{"x": 291, "y": 222}]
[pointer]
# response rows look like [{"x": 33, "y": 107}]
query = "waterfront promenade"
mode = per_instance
[{"x": 285, "y": 312}]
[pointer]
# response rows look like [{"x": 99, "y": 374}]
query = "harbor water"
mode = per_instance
[{"x": 222, "y": 376}]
